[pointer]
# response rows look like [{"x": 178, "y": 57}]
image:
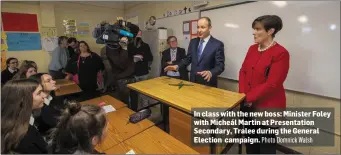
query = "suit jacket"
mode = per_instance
[
  {"x": 32, "y": 143},
  {"x": 180, "y": 54},
  {"x": 212, "y": 59}
]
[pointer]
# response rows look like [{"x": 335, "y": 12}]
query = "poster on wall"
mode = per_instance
[
  {"x": 49, "y": 38},
  {"x": 83, "y": 29},
  {"x": 19, "y": 22},
  {"x": 70, "y": 27},
  {"x": 23, "y": 41}
]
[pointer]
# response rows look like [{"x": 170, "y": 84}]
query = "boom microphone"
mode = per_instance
[{"x": 126, "y": 33}]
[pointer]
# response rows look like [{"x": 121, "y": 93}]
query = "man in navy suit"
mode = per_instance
[
  {"x": 173, "y": 56},
  {"x": 206, "y": 54}
]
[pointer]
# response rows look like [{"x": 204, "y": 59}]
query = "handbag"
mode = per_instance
[{"x": 75, "y": 77}]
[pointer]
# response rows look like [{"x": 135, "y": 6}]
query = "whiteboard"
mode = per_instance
[
  {"x": 311, "y": 34},
  {"x": 175, "y": 23}
]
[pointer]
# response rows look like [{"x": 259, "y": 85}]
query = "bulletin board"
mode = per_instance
[
  {"x": 19, "y": 22},
  {"x": 23, "y": 41},
  {"x": 21, "y": 31}
]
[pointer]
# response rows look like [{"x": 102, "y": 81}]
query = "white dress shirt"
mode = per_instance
[
  {"x": 173, "y": 58},
  {"x": 204, "y": 43},
  {"x": 11, "y": 70}
]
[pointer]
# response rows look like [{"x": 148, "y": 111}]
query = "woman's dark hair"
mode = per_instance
[
  {"x": 16, "y": 109},
  {"x": 22, "y": 72},
  {"x": 269, "y": 22},
  {"x": 61, "y": 38},
  {"x": 38, "y": 77},
  {"x": 29, "y": 62},
  {"x": 8, "y": 61},
  {"x": 72, "y": 39},
  {"x": 86, "y": 44},
  {"x": 76, "y": 128}
]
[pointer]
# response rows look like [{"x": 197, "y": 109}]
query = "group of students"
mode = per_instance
[{"x": 34, "y": 120}]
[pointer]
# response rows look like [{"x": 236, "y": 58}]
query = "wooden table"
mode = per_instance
[
  {"x": 119, "y": 130},
  {"x": 188, "y": 97},
  {"x": 152, "y": 141},
  {"x": 183, "y": 100},
  {"x": 108, "y": 100},
  {"x": 68, "y": 89},
  {"x": 64, "y": 82}
]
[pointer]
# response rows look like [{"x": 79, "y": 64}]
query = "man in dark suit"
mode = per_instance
[
  {"x": 173, "y": 56},
  {"x": 206, "y": 54}
]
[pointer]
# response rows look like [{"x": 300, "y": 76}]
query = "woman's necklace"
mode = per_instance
[
  {"x": 261, "y": 50},
  {"x": 84, "y": 56}
]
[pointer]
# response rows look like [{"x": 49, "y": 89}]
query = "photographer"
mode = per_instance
[
  {"x": 123, "y": 69},
  {"x": 143, "y": 58}
]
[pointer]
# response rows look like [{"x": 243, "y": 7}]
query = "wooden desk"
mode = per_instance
[
  {"x": 64, "y": 82},
  {"x": 183, "y": 100},
  {"x": 188, "y": 97},
  {"x": 119, "y": 130},
  {"x": 109, "y": 100},
  {"x": 152, "y": 141},
  {"x": 68, "y": 89}
]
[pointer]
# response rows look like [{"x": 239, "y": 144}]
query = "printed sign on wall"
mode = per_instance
[{"x": 23, "y": 41}]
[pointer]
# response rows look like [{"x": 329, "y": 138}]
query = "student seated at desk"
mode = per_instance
[
  {"x": 53, "y": 105},
  {"x": 29, "y": 62},
  {"x": 25, "y": 71},
  {"x": 18, "y": 133},
  {"x": 10, "y": 71},
  {"x": 79, "y": 130}
]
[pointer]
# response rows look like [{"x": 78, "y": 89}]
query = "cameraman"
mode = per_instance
[
  {"x": 123, "y": 68},
  {"x": 143, "y": 58}
]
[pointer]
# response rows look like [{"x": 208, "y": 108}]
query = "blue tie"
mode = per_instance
[{"x": 200, "y": 48}]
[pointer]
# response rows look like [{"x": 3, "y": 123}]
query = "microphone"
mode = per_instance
[
  {"x": 139, "y": 116},
  {"x": 126, "y": 33}
]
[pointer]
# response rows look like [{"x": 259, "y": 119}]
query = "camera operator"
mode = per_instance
[
  {"x": 143, "y": 58},
  {"x": 123, "y": 68}
]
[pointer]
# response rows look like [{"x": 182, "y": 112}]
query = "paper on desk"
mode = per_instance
[
  {"x": 108, "y": 108},
  {"x": 131, "y": 152}
]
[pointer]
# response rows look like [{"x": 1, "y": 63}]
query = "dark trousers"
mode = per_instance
[
  {"x": 262, "y": 147},
  {"x": 57, "y": 74},
  {"x": 126, "y": 95}
]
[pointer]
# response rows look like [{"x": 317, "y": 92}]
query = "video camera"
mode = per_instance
[{"x": 108, "y": 34}]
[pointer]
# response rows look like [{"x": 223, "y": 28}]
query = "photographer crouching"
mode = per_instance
[{"x": 123, "y": 69}]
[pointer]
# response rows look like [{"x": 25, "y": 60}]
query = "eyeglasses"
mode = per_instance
[
  {"x": 173, "y": 41},
  {"x": 14, "y": 62}
]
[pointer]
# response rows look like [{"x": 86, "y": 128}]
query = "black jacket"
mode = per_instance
[
  {"x": 122, "y": 63},
  {"x": 6, "y": 75},
  {"x": 32, "y": 143},
  {"x": 141, "y": 67},
  {"x": 87, "y": 70},
  {"x": 180, "y": 54},
  {"x": 49, "y": 114}
]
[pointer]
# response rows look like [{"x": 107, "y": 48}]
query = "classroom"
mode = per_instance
[{"x": 130, "y": 77}]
